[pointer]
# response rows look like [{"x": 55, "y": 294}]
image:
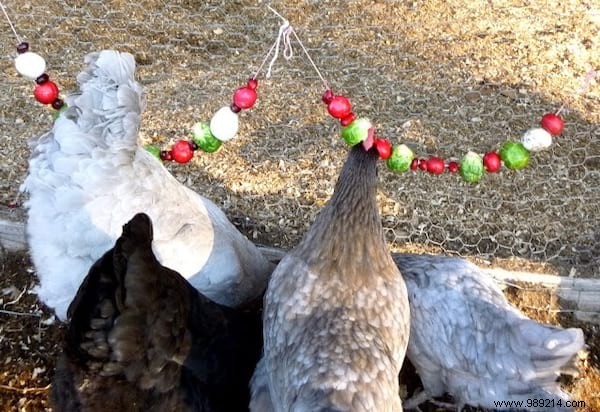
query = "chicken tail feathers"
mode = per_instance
[
  {"x": 110, "y": 102},
  {"x": 130, "y": 315},
  {"x": 553, "y": 350},
  {"x": 137, "y": 233},
  {"x": 63, "y": 395}
]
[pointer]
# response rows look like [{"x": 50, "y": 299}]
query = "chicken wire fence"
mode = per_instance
[{"x": 442, "y": 77}]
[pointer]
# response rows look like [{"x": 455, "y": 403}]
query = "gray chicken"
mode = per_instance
[
  {"x": 141, "y": 338},
  {"x": 336, "y": 315},
  {"x": 468, "y": 341}
]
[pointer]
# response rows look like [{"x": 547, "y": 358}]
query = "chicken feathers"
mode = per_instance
[
  {"x": 336, "y": 316},
  {"x": 88, "y": 176},
  {"x": 468, "y": 341},
  {"x": 141, "y": 337}
]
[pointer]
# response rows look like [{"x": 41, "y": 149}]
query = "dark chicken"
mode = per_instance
[{"x": 142, "y": 338}]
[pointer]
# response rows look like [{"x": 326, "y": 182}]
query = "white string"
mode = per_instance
[
  {"x": 264, "y": 61},
  {"x": 284, "y": 35},
  {"x": 10, "y": 23},
  {"x": 285, "y": 30},
  {"x": 292, "y": 31},
  {"x": 311, "y": 61}
]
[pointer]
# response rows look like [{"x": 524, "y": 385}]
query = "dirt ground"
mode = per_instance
[
  {"x": 30, "y": 340},
  {"x": 443, "y": 77}
]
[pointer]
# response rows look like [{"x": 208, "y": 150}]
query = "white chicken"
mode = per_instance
[
  {"x": 468, "y": 341},
  {"x": 88, "y": 176},
  {"x": 336, "y": 316}
]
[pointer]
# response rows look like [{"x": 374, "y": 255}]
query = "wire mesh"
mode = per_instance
[{"x": 442, "y": 77}]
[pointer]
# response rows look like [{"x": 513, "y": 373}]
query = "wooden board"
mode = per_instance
[
  {"x": 583, "y": 294},
  {"x": 12, "y": 230}
]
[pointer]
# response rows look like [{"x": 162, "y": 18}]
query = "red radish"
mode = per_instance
[
  {"x": 182, "y": 152},
  {"x": 435, "y": 165},
  {"x": 492, "y": 162},
  {"x": 244, "y": 97},
  {"x": 46, "y": 93},
  {"x": 384, "y": 148},
  {"x": 552, "y": 123},
  {"x": 339, "y": 107}
]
